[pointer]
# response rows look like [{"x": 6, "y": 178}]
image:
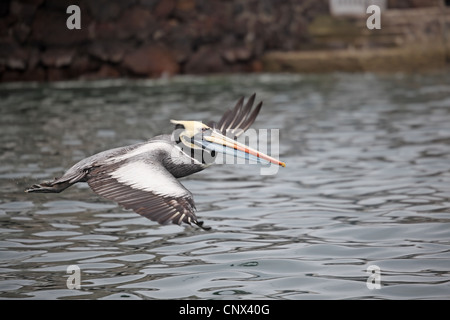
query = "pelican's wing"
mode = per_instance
[
  {"x": 237, "y": 120},
  {"x": 146, "y": 188}
]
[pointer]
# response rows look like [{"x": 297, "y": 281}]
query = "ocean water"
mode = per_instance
[{"x": 367, "y": 185}]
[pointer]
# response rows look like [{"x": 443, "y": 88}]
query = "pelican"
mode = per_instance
[{"x": 143, "y": 177}]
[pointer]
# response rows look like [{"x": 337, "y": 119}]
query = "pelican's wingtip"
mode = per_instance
[{"x": 200, "y": 224}]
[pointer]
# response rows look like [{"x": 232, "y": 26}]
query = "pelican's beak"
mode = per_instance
[{"x": 220, "y": 143}]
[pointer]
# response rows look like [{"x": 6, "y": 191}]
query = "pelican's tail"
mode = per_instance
[{"x": 58, "y": 184}]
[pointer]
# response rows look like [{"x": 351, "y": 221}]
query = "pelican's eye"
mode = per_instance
[{"x": 206, "y": 131}]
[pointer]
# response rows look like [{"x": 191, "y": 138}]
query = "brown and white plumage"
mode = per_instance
[
  {"x": 236, "y": 121},
  {"x": 162, "y": 198},
  {"x": 143, "y": 177}
]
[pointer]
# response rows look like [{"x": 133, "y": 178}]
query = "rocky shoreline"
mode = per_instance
[{"x": 154, "y": 38}]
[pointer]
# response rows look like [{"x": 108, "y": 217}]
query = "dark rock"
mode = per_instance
[
  {"x": 21, "y": 32},
  {"x": 82, "y": 64},
  {"x": 206, "y": 60},
  {"x": 241, "y": 25},
  {"x": 136, "y": 22},
  {"x": 185, "y": 11},
  {"x": 61, "y": 5},
  {"x": 229, "y": 56},
  {"x": 37, "y": 74},
  {"x": 206, "y": 30},
  {"x": 24, "y": 10},
  {"x": 57, "y": 74},
  {"x": 256, "y": 66},
  {"x": 243, "y": 54},
  {"x": 151, "y": 60},
  {"x": 16, "y": 63},
  {"x": 103, "y": 30},
  {"x": 108, "y": 10},
  {"x": 181, "y": 42},
  {"x": 237, "y": 54},
  {"x": 34, "y": 57},
  {"x": 185, "y": 6},
  {"x": 149, "y": 4},
  {"x": 105, "y": 72},
  {"x": 4, "y": 8},
  {"x": 57, "y": 58},
  {"x": 49, "y": 28},
  {"x": 164, "y": 8},
  {"x": 11, "y": 75},
  {"x": 110, "y": 51},
  {"x": 13, "y": 56},
  {"x": 4, "y": 29}
]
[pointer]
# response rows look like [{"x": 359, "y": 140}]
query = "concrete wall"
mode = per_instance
[{"x": 410, "y": 40}]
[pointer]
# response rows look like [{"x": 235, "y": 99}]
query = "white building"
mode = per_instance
[{"x": 354, "y": 7}]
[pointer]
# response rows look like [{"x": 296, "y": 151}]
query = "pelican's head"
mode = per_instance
[
  {"x": 187, "y": 130},
  {"x": 197, "y": 135}
]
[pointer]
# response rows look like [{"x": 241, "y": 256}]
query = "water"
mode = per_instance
[{"x": 367, "y": 183}]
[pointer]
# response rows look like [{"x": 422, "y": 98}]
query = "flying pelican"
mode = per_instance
[{"x": 143, "y": 176}]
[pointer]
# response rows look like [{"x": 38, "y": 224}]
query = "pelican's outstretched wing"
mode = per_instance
[
  {"x": 146, "y": 188},
  {"x": 236, "y": 121}
]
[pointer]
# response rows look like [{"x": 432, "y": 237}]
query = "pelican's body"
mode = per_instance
[
  {"x": 158, "y": 151},
  {"x": 143, "y": 176}
]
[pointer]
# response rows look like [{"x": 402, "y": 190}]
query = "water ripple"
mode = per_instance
[{"x": 367, "y": 182}]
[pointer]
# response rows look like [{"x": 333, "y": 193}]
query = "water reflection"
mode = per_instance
[{"x": 367, "y": 182}]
